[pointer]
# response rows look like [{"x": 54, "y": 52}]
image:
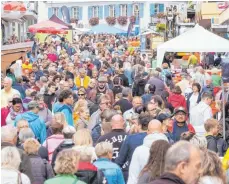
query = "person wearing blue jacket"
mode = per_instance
[
  {"x": 35, "y": 122},
  {"x": 112, "y": 172},
  {"x": 65, "y": 105}
]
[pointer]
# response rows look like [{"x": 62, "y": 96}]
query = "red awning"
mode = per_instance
[{"x": 47, "y": 27}]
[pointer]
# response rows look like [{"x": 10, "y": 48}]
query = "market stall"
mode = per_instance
[{"x": 196, "y": 39}]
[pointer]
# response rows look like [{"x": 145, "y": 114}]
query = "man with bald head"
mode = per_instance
[
  {"x": 7, "y": 92},
  {"x": 117, "y": 135},
  {"x": 141, "y": 153}
]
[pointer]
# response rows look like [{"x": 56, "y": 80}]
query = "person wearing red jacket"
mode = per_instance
[
  {"x": 180, "y": 125},
  {"x": 176, "y": 99}
]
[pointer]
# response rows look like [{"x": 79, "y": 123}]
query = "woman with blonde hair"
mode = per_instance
[
  {"x": 81, "y": 103},
  {"x": 10, "y": 161},
  {"x": 41, "y": 169},
  {"x": 82, "y": 138},
  {"x": 84, "y": 116},
  {"x": 66, "y": 166},
  {"x": 212, "y": 169}
]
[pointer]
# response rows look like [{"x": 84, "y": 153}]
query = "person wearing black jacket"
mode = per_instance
[
  {"x": 50, "y": 96},
  {"x": 9, "y": 138},
  {"x": 118, "y": 85},
  {"x": 117, "y": 136},
  {"x": 87, "y": 171},
  {"x": 68, "y": 132},
  {"x": 124, "y": 78}
]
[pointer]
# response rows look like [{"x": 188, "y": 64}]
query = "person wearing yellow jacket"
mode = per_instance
[
  {"x": 82, "y": 80},
  {"x": 226, "y": 160}
]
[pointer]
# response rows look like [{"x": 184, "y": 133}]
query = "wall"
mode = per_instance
[
  {"x": 210, "y": 10},
  {"x": 224, "y": 16}
]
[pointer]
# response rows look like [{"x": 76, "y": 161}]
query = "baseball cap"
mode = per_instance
[
  {"x": 163, "y": 116},
  {"x": 33, "y": 104},
  {"x": 179, "y": 109}
]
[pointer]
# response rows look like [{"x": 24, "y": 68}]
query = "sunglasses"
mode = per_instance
[{"x": 81, "y": 94}]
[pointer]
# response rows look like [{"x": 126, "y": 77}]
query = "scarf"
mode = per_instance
[{"x": 13, "y": 114}]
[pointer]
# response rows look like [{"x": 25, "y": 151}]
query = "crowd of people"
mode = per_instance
[{"x": 91, "y": 112}]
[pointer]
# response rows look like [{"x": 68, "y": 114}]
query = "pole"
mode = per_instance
[{"x": 223, "y": 98}]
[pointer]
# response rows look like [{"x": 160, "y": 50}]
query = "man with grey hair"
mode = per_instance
[
  {"x": 125, "y": 102},
  {"x": 7, "y": 92},
  {"x": 158, "y": 82},
  {"x": 141, "y": 153},
  {"x": 9, "y": 138},
  {"x": 182, "y": 165}
]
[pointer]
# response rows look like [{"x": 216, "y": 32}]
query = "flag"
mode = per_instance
[
  {"x": 65, "y": 14},
  {"x": 129, "y": 30}
]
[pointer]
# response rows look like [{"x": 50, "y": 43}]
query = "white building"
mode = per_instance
[{"x": 83, "y": 11}]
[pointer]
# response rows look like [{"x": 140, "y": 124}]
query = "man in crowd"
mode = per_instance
[
  {"x": 182, "y": 165},
  {"x": 159, "y": 84},
  {"x": 201, "y": 112},
  {"x": 7, "y": 92}
]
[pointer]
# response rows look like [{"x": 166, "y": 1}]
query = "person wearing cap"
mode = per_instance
[
  {"x": 179, "y": 124},
  {"x": 35, "y": 122},
  {"x": 165, "y": 118},
  {"x": 101, "y": 89},
  {"x": 82, "y": 80}
]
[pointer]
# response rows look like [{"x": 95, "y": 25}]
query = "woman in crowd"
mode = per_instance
[
  {"x": 84, "y": 116},
  {"x": 176, "y": 98},
  {"x": 155, "y": 166},
  {"x": 87, "y": 171},
  {"x": 41, "y": 169},
  {"x": 53, "y": 141},
  {"x": 81, "y": 103},
  {"x": 10, "y": 161},
  {"x": 112, "y": 171},
  {"x": 212, "y": 169},
  {"x": 66, "y": 166},
  {"x": 13, "y": 111},
  {"x": 195, "y": 97},
  {"x": 82, "y": 138}
]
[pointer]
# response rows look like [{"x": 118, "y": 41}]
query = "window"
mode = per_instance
[
  {"x": 75, "y": 13},
  {"x": 95, "y": 11},
  {"x": 136, "y": 10},
  {"x": 123, "y": 10},
  {"x": 55, "y": 11},
  {"x": 112, "y": 11},
  {"x": 156, "y": 9}
]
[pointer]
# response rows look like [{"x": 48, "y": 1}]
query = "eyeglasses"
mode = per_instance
[{"x": 105, "y": 103}]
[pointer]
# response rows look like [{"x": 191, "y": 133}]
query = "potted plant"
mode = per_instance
[
  {"x": 122, "y": 20},
  {"x": 160, "y": 27},
  {"x": 160, "y": 15},
  {"x": 74, "y": 20},
  {"x": 132, "y": 19},
  {"x": 94, "y": 21},
  {"x": 111, "y": 20}
]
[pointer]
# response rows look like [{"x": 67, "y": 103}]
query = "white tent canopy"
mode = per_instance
[{"x": 197, "y": 39}]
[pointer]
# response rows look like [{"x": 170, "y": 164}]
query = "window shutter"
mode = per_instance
[
  {"x": 60, "y": 14},
  {"x": 161, "y": 7},
  {"x": 129, "y": 10},
  {"x": 100, "y": 12},
  {"x": 141, "y": 10},
  {"x": 80, "y": 13},
  {"x": 89, "y": 12},
  {"x": 50, "y": 12},
  {"x": 70, "y": 12},
  {"x": 152, "y": 9},
  {"x": 106, "y": 11},
  {"x": 117, "y": 10}
]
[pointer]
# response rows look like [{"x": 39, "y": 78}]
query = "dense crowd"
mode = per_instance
[{"x": 92, "y": 112}]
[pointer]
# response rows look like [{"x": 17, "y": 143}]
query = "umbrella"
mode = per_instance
[
  {"x": 47, "y": 27},
  {"x": 52, "y": 31}
]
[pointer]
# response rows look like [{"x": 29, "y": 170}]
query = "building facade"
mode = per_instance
[{"x": 144, "y": 11}]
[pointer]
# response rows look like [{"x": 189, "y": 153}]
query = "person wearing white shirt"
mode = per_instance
[{"x": 200, "y": 113}]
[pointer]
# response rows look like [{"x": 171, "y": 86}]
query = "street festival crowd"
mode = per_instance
[{"x": 91, "y": 112}]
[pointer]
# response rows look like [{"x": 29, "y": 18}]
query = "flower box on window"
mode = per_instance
[
  {"x": 122, "y": 20},
  {"x": 160, "y": 15},
  {"x": 111, "y": 20},
  {"x": 74, "y": 20},
  {"x": 94, "y": 21}
]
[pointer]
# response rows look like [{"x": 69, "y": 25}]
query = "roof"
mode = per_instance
[{"x": 56, "y": 19}]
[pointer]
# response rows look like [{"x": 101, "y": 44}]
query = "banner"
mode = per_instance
[{"x": 65, "y": 14}]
